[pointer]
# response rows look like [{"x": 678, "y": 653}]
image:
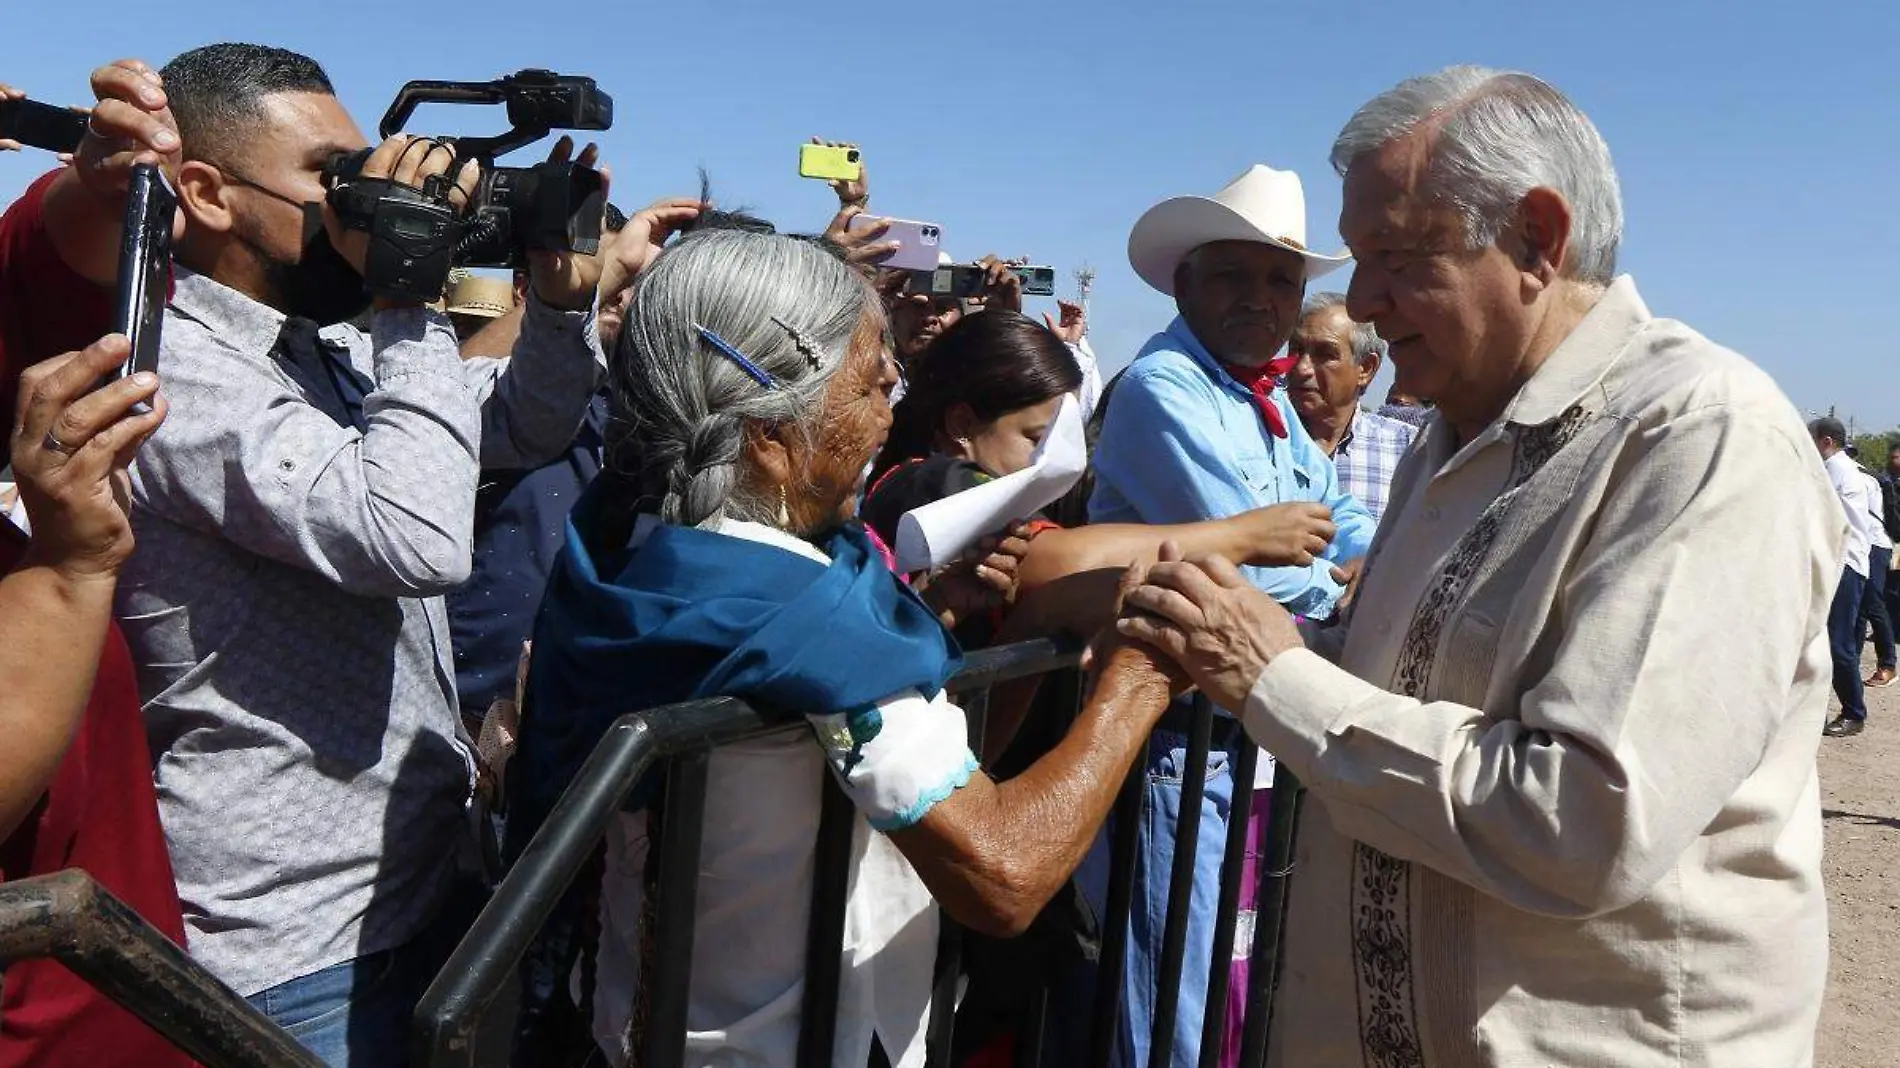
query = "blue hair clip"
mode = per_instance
[{"x": 725, "y": 349}]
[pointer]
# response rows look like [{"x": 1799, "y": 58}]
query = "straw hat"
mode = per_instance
[{"x": 482, "y": 297}]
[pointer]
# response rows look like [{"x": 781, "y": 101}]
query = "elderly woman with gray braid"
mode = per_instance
[{"x": 719, "y": 555}]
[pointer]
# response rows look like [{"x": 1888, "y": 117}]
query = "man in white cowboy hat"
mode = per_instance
[
  {"x": 1199, "y": 427},
  {"x": 1561, "y": 753}
]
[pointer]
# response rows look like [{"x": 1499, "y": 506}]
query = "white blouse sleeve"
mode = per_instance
[{"x": 899, "y": 757}]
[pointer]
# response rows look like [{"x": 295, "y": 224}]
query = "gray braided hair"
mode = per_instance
[{"x": 677, "y": 438}]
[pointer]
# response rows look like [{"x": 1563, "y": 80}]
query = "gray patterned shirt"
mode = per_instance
[{"x": 285, "y": 612}]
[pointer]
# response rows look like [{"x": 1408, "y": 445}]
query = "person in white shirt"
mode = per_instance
[
  {"x": 1563, "y": 807},
  {"x": 1072, "y": 326},
  {"x": 1843, "y": 621}
]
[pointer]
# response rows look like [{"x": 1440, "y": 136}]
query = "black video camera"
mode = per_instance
[{"x": 416, "y": 237}]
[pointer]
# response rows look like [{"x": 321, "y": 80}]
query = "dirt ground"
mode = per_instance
[{"x": 1860, "y": 802}]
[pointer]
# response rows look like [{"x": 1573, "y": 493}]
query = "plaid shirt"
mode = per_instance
[{"x": 1368, "y": 455}]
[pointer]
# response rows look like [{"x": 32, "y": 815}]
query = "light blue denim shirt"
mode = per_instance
[{"x": 1185, "y": 442}]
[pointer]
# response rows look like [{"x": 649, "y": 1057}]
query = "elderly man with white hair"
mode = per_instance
[
  {"x": 1562, "y": 750},
  {"x": 1335, "y": 361}
]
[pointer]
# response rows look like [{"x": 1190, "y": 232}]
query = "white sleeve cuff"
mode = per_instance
[
  {"x": 1295, "y": 704},
  {"x": 898, "y": 758}
]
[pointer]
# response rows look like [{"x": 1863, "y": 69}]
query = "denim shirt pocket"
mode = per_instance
[
  {"x": 1257, "y": 470},
  {"x": 1171, "y": 766},
  {"x": 1305, "y": 478}
]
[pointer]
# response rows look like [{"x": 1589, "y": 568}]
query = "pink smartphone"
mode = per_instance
[{"x": 917, "y": 242}]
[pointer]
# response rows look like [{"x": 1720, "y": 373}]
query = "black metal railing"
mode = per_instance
[
  {"x": 462, "y": 1004},
  {"x": 72, "y": 919},
  {"x": 466, "y": 1018}
]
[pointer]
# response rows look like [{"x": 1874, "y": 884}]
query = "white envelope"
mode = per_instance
[{"x": 942, "y": 531}]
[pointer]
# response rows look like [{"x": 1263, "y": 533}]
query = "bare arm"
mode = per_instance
[
  {"x": 1082, "y": 567},
  {"x": 993, "y": 854}
]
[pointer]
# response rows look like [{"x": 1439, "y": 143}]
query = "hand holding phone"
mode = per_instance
[
  {"x": 854, "y": 190},
  {"x": 832, "y": 163},
  {"x": 917, "y": 242},
  {"x": 73, "y": 444},
  {"x": 131, "y": 123},
  {"x": 145, "y": 268},
  {"x": 864, "y": 247}
]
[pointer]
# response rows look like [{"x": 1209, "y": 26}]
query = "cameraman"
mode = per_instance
[
  {"x": 300, "y": 515},
  {"x": 75, "y": 776}
]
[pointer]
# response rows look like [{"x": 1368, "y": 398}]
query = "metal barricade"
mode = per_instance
[
  {"x": 464, "y": 1017},
  {"x": 460, "y": 1005},
  {"x": 72, "y": 919}
]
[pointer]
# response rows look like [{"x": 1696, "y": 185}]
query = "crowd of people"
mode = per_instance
[{"x": 314, "y": 625}]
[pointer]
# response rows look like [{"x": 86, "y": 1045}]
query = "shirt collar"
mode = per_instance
[
  {"x": 1583, "y": 358},
  {"x": 249, "y": 326},
  {"x": 1351, "y": 429},
  {"x": 744, "y": 530}
]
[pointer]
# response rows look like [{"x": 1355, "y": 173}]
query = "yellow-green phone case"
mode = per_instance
[{"x": 829, "y": 163}]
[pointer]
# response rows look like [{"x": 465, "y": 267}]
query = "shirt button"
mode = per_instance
[
  {"x": 1385, "y": 627},
  {"x": 1431, "y": 515}
]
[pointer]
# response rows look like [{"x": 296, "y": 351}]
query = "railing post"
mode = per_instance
[
  {"x": 668, "y": 986},
  {"x": 453, "y": 1012},
  {"x": 940, "y": 1035},
  {"x": 830, "y": 884},
  {"x": 1276, "y": 871},
  {"x": 1187, "y": 837},
  {"x": 1030, "y": 1037},
  {"x": 1112, "y": 968},
  {"x": 1227, "y": 918}
]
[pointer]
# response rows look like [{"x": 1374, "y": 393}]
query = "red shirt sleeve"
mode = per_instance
[
  {"x": 46, "y": 307},
  {"x": 100, "y": 813}
]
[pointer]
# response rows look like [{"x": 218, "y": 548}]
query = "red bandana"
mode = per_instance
[{"x": 1261, "y": 380}]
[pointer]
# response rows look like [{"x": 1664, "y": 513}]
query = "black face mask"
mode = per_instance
[{"x": 321, "y": 286}]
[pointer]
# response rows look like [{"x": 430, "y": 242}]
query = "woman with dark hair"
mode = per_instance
[
  {"x": 978, "y": 402},
  {"x": 983, "y": 394}
]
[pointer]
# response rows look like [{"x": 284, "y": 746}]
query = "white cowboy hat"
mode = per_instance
[{"x": 1261, "y": 205}]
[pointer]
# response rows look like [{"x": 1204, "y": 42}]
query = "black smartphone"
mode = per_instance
[
  {"x": 42, "y": 126},
  {"x": 145, "y": 268},
  {"x": 967, "y": 280}
]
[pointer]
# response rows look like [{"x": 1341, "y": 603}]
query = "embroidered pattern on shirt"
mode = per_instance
[{"x": 1381, "y": 884}]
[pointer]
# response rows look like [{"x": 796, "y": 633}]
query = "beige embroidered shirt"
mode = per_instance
[{"x": 1563, "y": 802}]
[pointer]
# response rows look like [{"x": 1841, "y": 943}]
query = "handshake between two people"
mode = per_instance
[
  {"x": 1183, "y": 607},
  {"x": 1199, "y": 621}
]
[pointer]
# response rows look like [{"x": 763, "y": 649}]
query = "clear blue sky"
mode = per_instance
[{"x": 1757, "y": 141}]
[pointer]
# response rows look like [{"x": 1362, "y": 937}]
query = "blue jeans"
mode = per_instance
[
  {"x": 1843, "y": 634},
  {"x": 1154, "y": 869},
  {"x": 355, "y": 1014}
]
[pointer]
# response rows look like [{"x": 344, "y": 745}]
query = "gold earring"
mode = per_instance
[{"x": 784, "y": 511}]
